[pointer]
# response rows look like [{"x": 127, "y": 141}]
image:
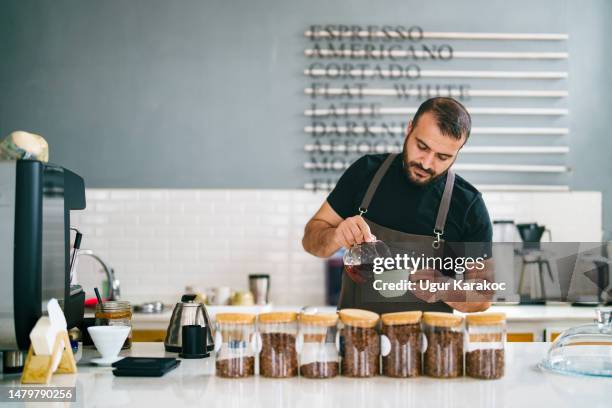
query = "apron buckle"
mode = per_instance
[
  {"x": 362, "y": 211},
  {"x": 436, "y": 243}
]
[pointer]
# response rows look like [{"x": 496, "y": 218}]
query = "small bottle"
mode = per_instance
[
  {"x": 444, "y": 355},
  {"x": 234, "y": 345},
  {"x": 318, "y": 351},
  {"x": 278, "y": 356},
  {"x": 486, "y": 340},
  {"x": 115, "y": 313},
  {"x": 360, "y": 343},
  {"x": 401, "y": 342}
]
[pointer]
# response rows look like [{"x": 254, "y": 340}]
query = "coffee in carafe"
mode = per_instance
[{"x": 359, "y": 259}]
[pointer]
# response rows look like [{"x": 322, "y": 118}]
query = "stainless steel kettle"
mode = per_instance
[{"x": 187, "y": 312}]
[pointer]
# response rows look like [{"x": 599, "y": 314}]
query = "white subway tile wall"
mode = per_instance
[{"x": 158, "y": 241}]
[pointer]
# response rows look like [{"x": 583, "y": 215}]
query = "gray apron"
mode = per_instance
[{"x": 363, "y": 295}]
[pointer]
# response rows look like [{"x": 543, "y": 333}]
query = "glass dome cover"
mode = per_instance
[{"x": 583, "y": 350}]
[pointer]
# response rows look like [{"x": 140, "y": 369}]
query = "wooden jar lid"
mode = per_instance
[
  {"x": 442, "y": 319},
  {"x": 391, "y": 319},
  {"x": 236, "y": 318},
  {"x": 319, "y": 319},
  {"x": 483, "y": 319},
  {"x": 277, "y": 317},
  {"x": 358, "y": 318}
]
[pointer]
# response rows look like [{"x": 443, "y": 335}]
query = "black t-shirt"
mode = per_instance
[{"x": 404, "y": 206}]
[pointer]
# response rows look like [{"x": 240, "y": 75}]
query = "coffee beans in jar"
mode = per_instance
[
  {"x": 360, "y": 343},
  {"x": 278, "y": 357},
  {"x": 486, "y": 334},
  {"x": 234, "y": 342},
  {"x": 318, "y": 354},
  {"x": 444, "y": 355},
  {"x": 402, "y": 337},
  {"x": 236, "y": 367},
  {"x": 486, "y": 364},
  {"x": 320, "y": 369}
]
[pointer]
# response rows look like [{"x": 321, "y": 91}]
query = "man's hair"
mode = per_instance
[{"x": 452, "y": 118}]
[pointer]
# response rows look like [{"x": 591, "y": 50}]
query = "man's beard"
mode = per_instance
[{"x": 407, "y": 164}]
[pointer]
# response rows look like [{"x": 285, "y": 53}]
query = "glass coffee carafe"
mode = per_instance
[{"x": 359, "y": 259}]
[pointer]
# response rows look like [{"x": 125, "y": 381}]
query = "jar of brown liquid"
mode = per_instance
[
  {"x": 401, "y": 343},
  {"x": 115, "y": 313}
]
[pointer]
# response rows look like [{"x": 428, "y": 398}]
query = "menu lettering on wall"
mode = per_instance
[
  {"x": 380, "y": 51},
  {"x": 362, "y": 78}
]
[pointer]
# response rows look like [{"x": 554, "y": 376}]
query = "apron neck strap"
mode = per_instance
[
  {"x": 444, "y": 204},
  {"x": 367, "y": 198}
]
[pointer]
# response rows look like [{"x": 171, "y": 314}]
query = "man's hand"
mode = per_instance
[
  {"x": 327, "y": 232},
  {"x": 351, "y": 231}
]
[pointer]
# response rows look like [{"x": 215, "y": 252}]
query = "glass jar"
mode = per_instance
[
  {"x": 318, "y": 351},
  {"x": 444, "y": 355},
  {"x": 359, "y": 343},
  {"x": 401, "y": 342},
  {"x": 278, "y": 356},
  {"x": 115, "y": 313},
  {"x": 486, "y": 339},
  {"x": 234, "y": 345}
]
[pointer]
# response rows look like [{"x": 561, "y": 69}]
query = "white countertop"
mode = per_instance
[
  {"x": 194, "y": 384},
  {"x": 514, "y": 314},
  {"x": 536, "y": 313}
]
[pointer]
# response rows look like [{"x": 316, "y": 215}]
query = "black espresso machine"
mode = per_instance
[{"x": 35, "y": 203}]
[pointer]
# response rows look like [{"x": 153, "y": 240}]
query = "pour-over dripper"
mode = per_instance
[{"x": 531, "y": 235}]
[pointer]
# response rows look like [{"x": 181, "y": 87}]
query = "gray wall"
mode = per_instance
[
  {"x": 153, "y": 93},
  {"x": 591, "y": 100}
]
